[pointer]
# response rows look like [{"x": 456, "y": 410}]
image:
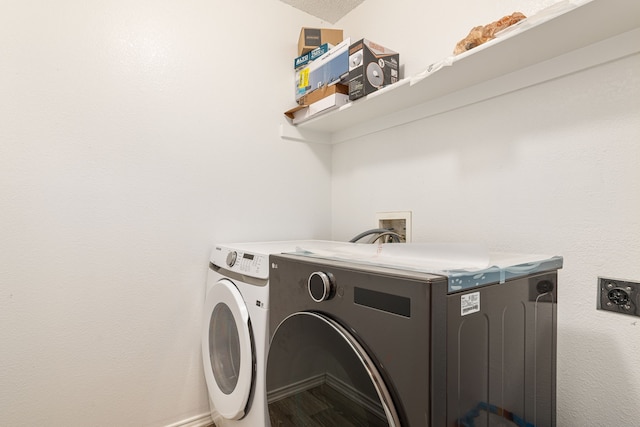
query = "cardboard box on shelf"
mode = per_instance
[
  {"x": 311, "y": 38},
  {"x": 325, "y": 105},
  {"x": 316, "y": 102},
  {"x": 323, "y": 92},
  {"x": 330, "y": 68},
  {"x": 371, "y": 67},
  {"x": 311, "y": 56}
]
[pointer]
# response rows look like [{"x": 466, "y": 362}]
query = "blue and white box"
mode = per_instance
[
  {"x": 330, "y": 68},
  {"x": 308, "y": 57}
]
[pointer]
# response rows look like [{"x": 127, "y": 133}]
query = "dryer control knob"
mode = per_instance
[
  {"x": 231, "y": 258},
  {"x": 321, "y": 286}
]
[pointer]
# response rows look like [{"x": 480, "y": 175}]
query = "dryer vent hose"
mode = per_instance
[{"x": 388, "y": 234}]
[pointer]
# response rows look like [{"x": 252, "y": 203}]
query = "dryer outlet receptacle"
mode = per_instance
[{"x": 620, "y": 296}]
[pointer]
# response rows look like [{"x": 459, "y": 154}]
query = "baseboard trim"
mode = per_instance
[
  {"x": 356, "y": 396},
  {"x": 295, "y": 388},
  {"x": 338, "y": 385},
  {"x": 202, "y": 420}
]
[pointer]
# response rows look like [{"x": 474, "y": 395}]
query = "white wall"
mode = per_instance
[
  {"x": 548, "y": 169},
  {"x": 135, "y": 134}
]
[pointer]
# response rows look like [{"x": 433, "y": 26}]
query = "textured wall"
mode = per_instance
[
  {"x": 551, "y": 169},
  {"x": 133, "y": 135}
]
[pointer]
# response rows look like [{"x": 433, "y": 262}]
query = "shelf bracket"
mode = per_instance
[{"x": 293, "y": 133}]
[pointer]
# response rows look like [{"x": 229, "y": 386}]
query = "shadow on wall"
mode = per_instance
[
  {"x": 598, "y": 359},
  {"x": 485, "y": 133}
]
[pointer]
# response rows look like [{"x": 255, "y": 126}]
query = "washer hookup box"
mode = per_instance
[{"x": 371, "y": 67}]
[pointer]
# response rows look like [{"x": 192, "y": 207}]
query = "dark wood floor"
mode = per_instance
[{"x": 322, "y": 406}]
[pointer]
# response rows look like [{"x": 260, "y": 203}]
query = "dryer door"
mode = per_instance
[
  {"x": 227, "y": 350},
  {"x": 319, "y": 375}
]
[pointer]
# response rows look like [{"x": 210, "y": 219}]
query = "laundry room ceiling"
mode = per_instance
[{"x": 328, "y": 10}]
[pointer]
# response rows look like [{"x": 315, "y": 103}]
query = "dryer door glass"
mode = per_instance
[{"x": 319, "y": 375}]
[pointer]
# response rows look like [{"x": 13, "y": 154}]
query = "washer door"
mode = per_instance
[
  {"x": 318, "y": 374},
  {"x": 227, "y": 350}
]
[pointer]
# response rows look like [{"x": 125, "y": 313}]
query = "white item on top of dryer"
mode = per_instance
[
  {"x": 436, "y": 256},
  {"x": 466, "y": 265},
  {"x": 235, "y": 330}
]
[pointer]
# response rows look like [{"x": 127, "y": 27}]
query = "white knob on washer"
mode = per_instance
[{"x": 231, "y": 258}]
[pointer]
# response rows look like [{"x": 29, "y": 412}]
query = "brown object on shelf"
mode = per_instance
[
  {"x": 311, "y": 38},
  {"x": 482, "y": 34},
  {"x": 316, "y": 96}
]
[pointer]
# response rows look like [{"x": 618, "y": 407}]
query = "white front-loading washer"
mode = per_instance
[{"x": 235, "y": 330}]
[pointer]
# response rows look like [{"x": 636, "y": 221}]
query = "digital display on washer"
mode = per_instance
[
  {"x": 382, "y": 301},
  {"x": 248, "y": 256}
]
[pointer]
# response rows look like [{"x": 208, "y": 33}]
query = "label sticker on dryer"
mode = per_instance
[{"x": 470, "y": 303}]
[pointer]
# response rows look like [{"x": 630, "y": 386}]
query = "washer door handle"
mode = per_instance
[{"x": 321, "y": 286}]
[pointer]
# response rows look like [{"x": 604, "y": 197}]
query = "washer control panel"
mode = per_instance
[
  {"x": 252, "y": 258},
  {"x": 242, "y": 262}
]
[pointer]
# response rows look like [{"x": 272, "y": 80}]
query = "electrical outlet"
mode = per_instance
[
  {"x": 620, "y": 296},
  {"x": 398, "y": 222}
]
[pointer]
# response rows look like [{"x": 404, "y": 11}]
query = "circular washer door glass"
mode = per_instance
[
  {"x": 224, "y": 348},
  {"x": 227, "y": 350}
]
